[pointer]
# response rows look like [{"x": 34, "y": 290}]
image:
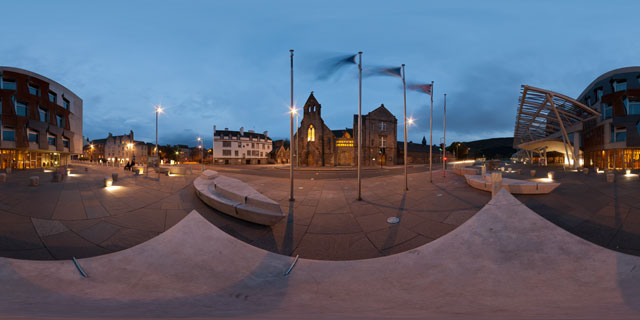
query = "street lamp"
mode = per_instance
[
  {"x": 409, "y": 121},
  {"x": 158, "y": 111},
  {"x": 201, "y": 152}
]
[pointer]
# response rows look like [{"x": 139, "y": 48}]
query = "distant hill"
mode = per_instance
[{"x": 494, "y": 148}]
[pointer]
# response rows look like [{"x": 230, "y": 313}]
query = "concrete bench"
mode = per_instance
[
  {"x": 235, "y": 198},
  {"x": 169, "y": 170},
  {"x": 514, "y": 186},
  {"x": 34, "y": 181},
  {"x": 210, "y": 174}
]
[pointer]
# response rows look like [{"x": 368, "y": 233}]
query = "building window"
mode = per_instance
[
  {"x": 226, "y": 144},
  {"x": 587, "y": 100},
  {"x": 66, "y": 103},
  {"x": 253, "y": 145},
  {"x": 618, "y": 134},
  {"x": 619, "y": 85},
  {"x": 65, "y": 142},
  {"x": 21, "y": 109},
  {"x": 236, "y": 152},
  {"x": 226, "y": 153},
  {"x": 60, "y": 121},
  {"x": 34, "y": 90},
  {"x": 598, "y": 94},
  {"x": 607, "y": 111},
  {"x": 44, "y": 114},
  {"x": 383, "y": 141},
  {"x": 8, "y": 84},
  {"x": 52, "y": 97},
  {"x": 311, "y": 133},
  {"x": 8, "y": 134},
  {"x": 261, "y": 154},
  {"x": 632, "y": 106},
  {"x": 33, "y": 136},
  {"x": 239, "y": 145},
  {"x": 51, "y": 140},
  {"x": 263, "y": 146},
  {"x": 383, "y": 126}
]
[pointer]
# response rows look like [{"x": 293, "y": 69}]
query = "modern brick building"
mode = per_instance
[{"x": 41, "y": 121}]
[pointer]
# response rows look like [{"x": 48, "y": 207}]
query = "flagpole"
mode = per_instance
[
  {"x": 359, "y": 122},
  {"x": 291, "y": 133},
  {"x": 404, "y": 87},
  {"x": 431, "y": 136},
  {"x": 444, "y": 139}
]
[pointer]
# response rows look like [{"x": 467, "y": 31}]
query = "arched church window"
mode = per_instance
[{"x": 311, "y": 133}]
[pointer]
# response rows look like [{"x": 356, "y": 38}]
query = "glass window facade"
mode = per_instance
[
  {"x": 66, "y": 103},
  {"x": 44, "y": 114},
  {"x": 618, "y": 134},
  {"x": 60, "y": 121},
  {"x": 34, "y": 90},
  {"x": 21, "y": 109},
  {"x": 607, "y": 111},
  {"x": 632, "y": 106},
  {"x": 8, "y": 134},
  {"x": 52, "y": 97},
  {"x": 598, "y": 94},
  {"x": 619, "y": 85},
  {"x": 51, "y": 140},
  {"x": 65, "y": 142},
  {"x": 33, "y": 136},
  {"x": 8, "y": 84}
]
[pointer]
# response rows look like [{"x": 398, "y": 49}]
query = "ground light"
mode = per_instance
[{"x": 113, "y": 188}]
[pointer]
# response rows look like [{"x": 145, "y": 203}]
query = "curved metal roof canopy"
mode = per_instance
[{"x": 543, "y": 113}]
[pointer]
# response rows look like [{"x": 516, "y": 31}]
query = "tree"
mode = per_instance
[{"x": 424, "y": 141}]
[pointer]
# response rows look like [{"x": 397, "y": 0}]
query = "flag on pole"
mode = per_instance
[
  {"x": 424, "y": 88},
  {"x": 330, "y": 66},
  {"x": 385, "y": 71}
]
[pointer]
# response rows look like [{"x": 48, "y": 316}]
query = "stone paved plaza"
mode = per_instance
[
  {"x": 326, "y": 222},
  {"x": 607, "y": 214},
  {"x": 80, "y": 218}
]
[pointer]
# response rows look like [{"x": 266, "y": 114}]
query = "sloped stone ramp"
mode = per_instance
[{"x": 506, "y": 262}]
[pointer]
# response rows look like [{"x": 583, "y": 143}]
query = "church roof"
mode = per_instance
[
  {"x": 340, "y": 133},
  {"x": 381, "y": 111}
]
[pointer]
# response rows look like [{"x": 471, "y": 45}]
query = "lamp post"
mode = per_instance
[
  {"x": 158, "y": 111},
  {"x": 201, "y": 152},
  {"x": 91, "y": 150},
  {"x": 291, "y": 198}
]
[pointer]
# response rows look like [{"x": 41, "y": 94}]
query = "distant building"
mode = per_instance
[
  {"x": 41, "y": 121},
  {"x": 241, "y": 147},
  {"x": 118, "y": 149},
  {"x": 280, "y": 152},
  {"x": 320, "y": 146}
]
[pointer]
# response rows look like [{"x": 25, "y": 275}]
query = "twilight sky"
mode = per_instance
[{"x": 227, "y": 62}]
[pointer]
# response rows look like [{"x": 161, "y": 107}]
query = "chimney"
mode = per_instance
[
  {"x": 266, "y": 134},
  {"x": 241, "y": 131},
  {"x": 226, "y": 129},
  {"x": 251, "y": 131}
]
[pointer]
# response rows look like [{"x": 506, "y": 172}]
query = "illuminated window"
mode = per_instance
[
  {"x": 344, "y": 143},
  {"x": 383, "y": 141},
  {"x": 311, "y": 133}
]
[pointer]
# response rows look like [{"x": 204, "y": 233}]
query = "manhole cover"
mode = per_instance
[
  {"x": 439, "y": 195},
  {"x": 393, "y": 220}
]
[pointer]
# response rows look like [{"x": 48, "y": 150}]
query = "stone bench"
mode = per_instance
[
  {"x": 465, "y": 170},
  {"x": 235, "y": 198},
  {"x": 210, "y": 174},
  {"x": 514, "y": 186},
  {"x": 34, "y": 181}
]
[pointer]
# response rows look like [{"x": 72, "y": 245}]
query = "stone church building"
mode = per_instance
[{"x": 320, "y": 146}]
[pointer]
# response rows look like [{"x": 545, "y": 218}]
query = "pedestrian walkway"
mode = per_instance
[{"x": 327, "y": 222}]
